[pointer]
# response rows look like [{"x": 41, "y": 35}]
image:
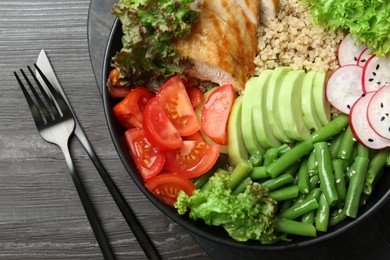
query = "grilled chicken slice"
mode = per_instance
[
  {"x": 250, "y": 8},
  {"x": 268, "y": 10},
  {"x": 225, "y": 28},
  {"x": 211, "y": 61}
]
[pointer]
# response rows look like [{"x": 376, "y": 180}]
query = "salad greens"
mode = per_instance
[
  {"x": 247, "y": 215},
  {"x": 149, "y": 27},
  {"x": 368, "y": 20}
]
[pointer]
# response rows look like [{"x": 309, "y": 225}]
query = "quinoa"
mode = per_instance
[{"x": 291, "y": 39}]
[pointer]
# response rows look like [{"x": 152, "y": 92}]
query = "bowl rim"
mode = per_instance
[{"x": 189, "y": 224}]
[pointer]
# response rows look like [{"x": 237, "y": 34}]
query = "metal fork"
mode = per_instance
[{"x": 55, "y": 124}]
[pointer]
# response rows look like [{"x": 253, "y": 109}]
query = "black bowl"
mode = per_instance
[{"x": 215, "y": 234}]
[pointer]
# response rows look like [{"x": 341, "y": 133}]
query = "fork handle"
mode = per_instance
[
  {"x": 90, "y": 211},
  {"x": 130, "y": 217}
]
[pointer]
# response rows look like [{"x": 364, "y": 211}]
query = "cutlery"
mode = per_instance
[
  {"x": 55, "y": 124},
  {"x": 44, "y": 63}
]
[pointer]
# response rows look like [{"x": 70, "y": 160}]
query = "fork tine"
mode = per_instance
[
  {"x": 34, "y": 110},
  {"x": 53, "y": 107},
  {"x": 62, "y": 105}
]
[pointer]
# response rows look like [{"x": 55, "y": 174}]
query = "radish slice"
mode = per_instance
[
  {"x": 378, "y": 112},
  {"x": 376, "y": 73},
  {"x": 360, "y": 126},
  {"x": 344, "y": 87},
  {"x": 349, "y": 51},
  {"x": 364, "y": 56}
]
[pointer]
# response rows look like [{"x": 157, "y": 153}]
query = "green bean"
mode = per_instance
[
  {"x": 348, "y": 162},
  {"x": 295, "y": 227},
  {"x": 376, "y": 165},
  {"x": 341, "y": 187},
  {"x": 278, "y": 182},
  {"x": 325, "y": 171},
  {"x": 355, "y": 187},
  {"x": 331, "y": 129},
  {"x": 241, "y": 187},
  {"x": 283, "y": 205},
  {"x": 309, "y": 217},
  {"x": 388, "y": 160},
  {"x": 283, "y": 149},
  {"x": 289, "y": 158},
  {"x": 201, "y": 180},
  {"x": 347, "y": 144},
  {"x": 363, "y": 151},
  {"x": 286, "y": 193},
  {"x": 337, "y": 218},
  {"x": 335, "y": 145},
  {"x": 300, "y": 208},
  {"x": 322, "y": 215},
  {"x": 312, "y": 164},
  {"x": 314, "y": 182},
  {"x": 303, "y": 177},
  {"x": 256, "y": 159},
  {"x": 258, "y": 173},
  {"x": 270, "y": 155},
  {"x": 240, "y": 171}
]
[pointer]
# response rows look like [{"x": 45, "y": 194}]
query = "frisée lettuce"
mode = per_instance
[
  {"x": 247, "y": 215},
  {"x": 366, "y": 19},
  {"x": 149, "y": 27}
]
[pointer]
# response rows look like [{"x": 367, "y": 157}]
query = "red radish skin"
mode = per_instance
[
  {"x": 349, "y": 51},
  {"x": 375, "y": 73},
  {"x": 364, "y": 57},
  {"x": 344, "y": 87},
  {"x": 378, "y": 112},
  {"x": 360, "y": 126}
]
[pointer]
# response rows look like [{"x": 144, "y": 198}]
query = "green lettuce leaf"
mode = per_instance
[
  {"x": 149, "y": 27},
  {"x": 368, "y": 20},
  {"x": 248, "y": 215}
]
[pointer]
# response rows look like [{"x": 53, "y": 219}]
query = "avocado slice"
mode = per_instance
[
  {"x": 271, "y": 105},
  {"x": 236, "y": 147},
  {"x": 321, "y": 103},
  {"x": 198, "y": 113},
  {"x": 259, "y": 115},
  {"x": 247, "y": 127},
  {"x": 309, "y": 111},
  {"x": 289, "y": 102}
]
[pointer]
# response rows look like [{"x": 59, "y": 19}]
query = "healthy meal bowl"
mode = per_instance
[{"x": 262, "y": 134}]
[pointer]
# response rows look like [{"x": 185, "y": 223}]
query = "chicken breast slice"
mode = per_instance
[
  {"x": 268, "y": 10},
  {"x": 210, "y": 61},
  {"x": 235, "y": 40}
]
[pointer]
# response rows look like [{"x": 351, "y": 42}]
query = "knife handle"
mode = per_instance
[{"x": 120, "y": 201}]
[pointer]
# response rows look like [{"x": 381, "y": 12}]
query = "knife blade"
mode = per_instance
[{"x": 44, "y": 64}]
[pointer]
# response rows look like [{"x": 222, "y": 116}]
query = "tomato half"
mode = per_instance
[
  {"x": 177, "y": 105},
  {"x": 115, "y": 89},
  {"x": 215, "y": 113},
  {"x": 149, "y": 160},
  {"x": 194, "y": 159},
  {"x": 159, "y": 130},
  {"x": 129, "y": 110},
  {"x": 195, "y": 95},
  {"x": 167, "y": 186}
]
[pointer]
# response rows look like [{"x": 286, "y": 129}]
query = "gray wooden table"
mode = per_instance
[{"x": 41, "y": 216}]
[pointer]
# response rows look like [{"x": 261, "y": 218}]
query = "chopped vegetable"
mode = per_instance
[
  {"x": 149, "y": 28},
  {"x": 248, "y": 215},
  {"x": 367, "y": 20}
]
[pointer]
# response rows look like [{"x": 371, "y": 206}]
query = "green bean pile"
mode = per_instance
[{"x": 318, "y": 182}]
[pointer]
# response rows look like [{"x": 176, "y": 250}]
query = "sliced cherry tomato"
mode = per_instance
[
  {"x": 159, "y": 130},
  {"x": 177, "y": 105},
  {"x": 149, "y": 160},
  {"x": 129, "y": 110},
  {"x": 167, "y": 186},
  {"x": 195, "y": 137},
  {"x": 195, "y": 95},
  {"x": 115, "y": 88},
  {"x": 193, "y": 159},
  {"x": 215, "y": 113}
]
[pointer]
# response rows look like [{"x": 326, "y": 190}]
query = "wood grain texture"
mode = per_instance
[{"x": 41, "y": 216}]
